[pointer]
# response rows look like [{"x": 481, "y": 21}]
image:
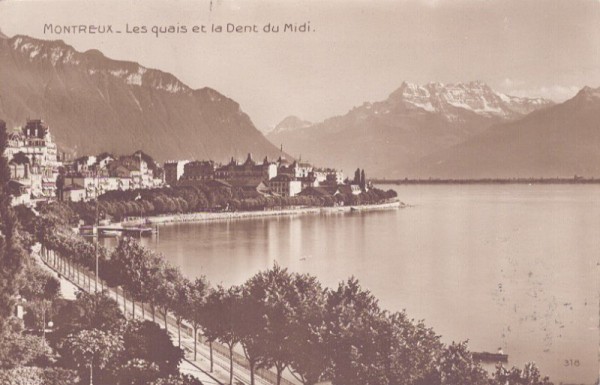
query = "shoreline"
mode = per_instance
[
  {"x": 487, "y": 181},
  {"x": 201, "y": 217}
]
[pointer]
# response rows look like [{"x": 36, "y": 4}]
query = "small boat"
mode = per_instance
[
  {"x": 488, "y": 357},
  {"x": 109, "y": 233},
  {"x": 108, "y": 230}
]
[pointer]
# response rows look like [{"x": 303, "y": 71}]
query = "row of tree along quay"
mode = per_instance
[
  {"x": 282, "y": 321},
  {"x": 185, "y": 199}
]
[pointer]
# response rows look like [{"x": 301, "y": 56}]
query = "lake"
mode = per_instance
[{"x": 505, "y": 266}]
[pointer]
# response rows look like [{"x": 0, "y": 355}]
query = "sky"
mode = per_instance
[{"x": 355, "y": 51}]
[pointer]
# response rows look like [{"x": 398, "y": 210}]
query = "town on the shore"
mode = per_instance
[{"x": 40, "y": 171}]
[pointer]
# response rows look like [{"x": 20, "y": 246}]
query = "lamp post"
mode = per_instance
[
  {"x": 97, "y": 236},
  {"x": 43, "y": 324},
  {"x": 139, "y": 198},
  {"x": 50, "y": 324}
]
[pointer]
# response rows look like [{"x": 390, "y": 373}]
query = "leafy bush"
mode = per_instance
[
  {"x": 20, "y": 350},
  {"x": 38, "y": 376}
]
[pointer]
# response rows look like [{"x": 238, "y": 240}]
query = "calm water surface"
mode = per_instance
[{"x": 513, "y": 266}]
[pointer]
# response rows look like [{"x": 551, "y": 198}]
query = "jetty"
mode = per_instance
[{"x": 108, "y": 231}]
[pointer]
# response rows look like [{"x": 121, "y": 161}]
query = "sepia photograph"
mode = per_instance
[{"x": 301, "y": 192}]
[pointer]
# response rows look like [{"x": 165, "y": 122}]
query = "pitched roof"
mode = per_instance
[
  {"x": 282, "y": 178},
  {"x": 214, "y": 183},
  {"x": 246, "y": 183},
  {"x": 318, "y": 191}
]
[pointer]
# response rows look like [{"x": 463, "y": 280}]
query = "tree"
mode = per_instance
[
  {"x": 150, "y": 266},
  {"x": 211, "y": 322},
  {"x": 166, "y": 292},
  {"x": 181, "y": 379},
  {"x": 356, "y": 179},
  {"x": 130, "y": 263},
  {"x": 153, "y": 275},
  {"x": 88, "y": 311},
  {"x": 31, "y": 375},
  {"x": 137, "y": 372},
  {"x": 389, "y": 194},
  {"x": 40, "y": 288},
  {"x": 12, "y": 254},
  {"x": 353, "y": 340},
  {"x": 198, "y": 291},
  {"x": 251, "y": 330},
  {"x": 309, "y": 359},
  {"x": 145, "y": 340},
  {"x": 457, "y": 367},
  {"x": 27, "y": 221},
  {"x": 181, "y": 303},
  {"x": 530, "y": 375},
  {"x": 273, "y": 290},
  {"x": 363, "y": 181},
  {"x": 409, "y": 349},
  {"x": 41, "y": 285},
  {"x": 21, "y": 350},
  {"x": 222, "y": 305},
  {"x": 91, "y": 351},
  {"x": 61, "y": 212}
]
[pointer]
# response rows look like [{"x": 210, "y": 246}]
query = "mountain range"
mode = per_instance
[
  {"x": 559, "y": 141},
  {"x": 395, "y": 137},
  {"x": 94, "y": 104},
  {"x": 466, "y": 130}
]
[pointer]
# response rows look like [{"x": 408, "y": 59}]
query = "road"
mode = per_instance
[{"x": 73, "y": 279}]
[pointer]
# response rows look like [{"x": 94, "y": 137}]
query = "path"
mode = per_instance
[{"x": 73, "y": 278}]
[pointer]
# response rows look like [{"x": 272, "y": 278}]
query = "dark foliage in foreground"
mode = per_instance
[
  {"x": 99, "y": 342},
  {"x": 145, "y": 340},
  {"x": 12, "y": 255}
]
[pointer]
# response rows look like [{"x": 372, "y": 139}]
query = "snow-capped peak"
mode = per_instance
[
  {"x": 476, "y": 97},
  {"x": 290, "y": 123}
]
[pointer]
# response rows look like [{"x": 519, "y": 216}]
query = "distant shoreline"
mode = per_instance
[
  {"x": 226, "y": 216},
  {"x": 575, "y": 180}
]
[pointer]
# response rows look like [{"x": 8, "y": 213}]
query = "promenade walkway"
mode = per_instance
[{"x": 74, "y": 278}]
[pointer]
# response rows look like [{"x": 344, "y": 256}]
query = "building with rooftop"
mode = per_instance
[
  {"x": 174, "y": 170},
  {"x": 34, "y": 142},
  {"x": 247, "y": 170}
]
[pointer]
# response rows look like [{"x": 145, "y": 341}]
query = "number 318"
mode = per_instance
[{"x": 572, "y": 362}]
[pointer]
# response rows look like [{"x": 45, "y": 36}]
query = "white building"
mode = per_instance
[
  {"x": 74, "y": 193},
  {"x": 328, "y": 176},
  {"x": 35, "y": 142},
  {"x": 285, "y": 185}
]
